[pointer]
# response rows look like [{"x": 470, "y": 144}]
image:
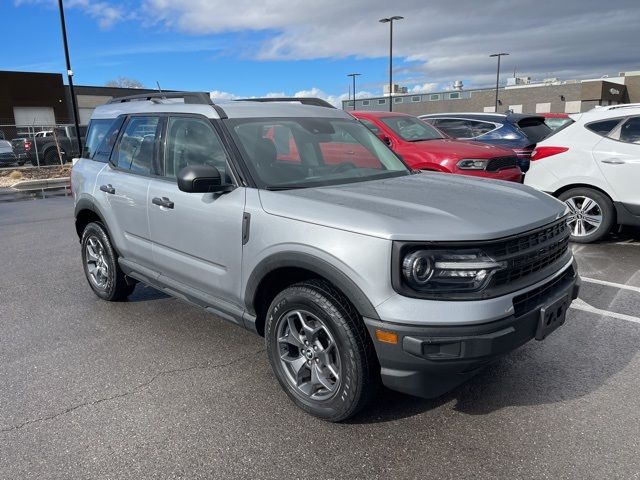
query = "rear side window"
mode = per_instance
[
  {"x": 95, "y": 135},
  {"x": 629, "y": 132},
  {"x": 603, "y": 127},
  {"x": 534, "y": 128},
  {"x": 136, "y": 148},
  {"x": 456, "y": 128}
]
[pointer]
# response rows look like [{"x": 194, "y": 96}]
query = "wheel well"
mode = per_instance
[
  {"x": 560, "y": 191},
  {"x": 84, "y": 218},
  {"x": 272, "y": 284}
]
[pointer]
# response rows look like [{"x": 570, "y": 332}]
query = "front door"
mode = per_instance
[
  {"x": 197, "y": 240},
  {"x": 618, "y": 156}
]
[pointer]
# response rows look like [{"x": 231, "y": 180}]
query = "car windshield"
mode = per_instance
[
  {"x": 412, "y": 129},
  {"x": 284, "y": 153}
]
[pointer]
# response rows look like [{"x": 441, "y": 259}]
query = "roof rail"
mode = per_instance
[
  {"x": 318, "y": 102},
  {"x": 620, "y": 105},
  {"x": 200, "y": 98}
]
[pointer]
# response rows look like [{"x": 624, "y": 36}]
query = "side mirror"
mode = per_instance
[{"x": 201, "y": 179}]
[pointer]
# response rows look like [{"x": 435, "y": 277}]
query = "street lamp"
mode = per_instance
[
  {"x": 390, "y": 22},
  {"x": 498, "y": 75},
  {"x": 70, "y": 78},
  {"x": 353, "y": 76}
]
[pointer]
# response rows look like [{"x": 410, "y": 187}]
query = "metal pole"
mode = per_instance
[
  {"x": 70, "y": 77},
  {"x": 497, "y": 84},
  {"x": 354, "y": 91},
  {"x": 391, "y": 65}
]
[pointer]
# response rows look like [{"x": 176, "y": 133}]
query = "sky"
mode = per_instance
[{"x": 245, "y": 48}]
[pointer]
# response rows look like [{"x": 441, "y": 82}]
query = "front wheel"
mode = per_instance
[
  {"x": 591, "y": 214},
  {"x": 101, "y": 267},
  {"x": 320, "y": 351}
]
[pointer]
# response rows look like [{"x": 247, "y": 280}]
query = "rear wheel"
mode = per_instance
[
  {"x": 592, "y": 214},
  {"x": 101, "y": 267},
  {"x": 320, "y": 351},
  {"x": 51, "y": 157}
]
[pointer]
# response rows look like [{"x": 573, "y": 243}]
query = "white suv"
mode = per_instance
[{"x": 593, "y": 165}]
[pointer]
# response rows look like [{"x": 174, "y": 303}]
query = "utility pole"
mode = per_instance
[
  {"x": 70, "y": 78},
  {"x": 390, "y": 21},
  {"x": 498, "y": 75},
  {"x": 353, "y": 76}
]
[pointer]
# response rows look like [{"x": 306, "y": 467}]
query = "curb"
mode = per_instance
[{"x": 27, "y": 185}]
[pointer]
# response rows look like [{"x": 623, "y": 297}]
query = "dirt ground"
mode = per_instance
[{"x": 10, "y": 176}]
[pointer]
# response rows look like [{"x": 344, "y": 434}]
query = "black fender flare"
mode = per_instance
[
  {"x": 88, "y": 204},
  {"x": 314, "y": 264}
]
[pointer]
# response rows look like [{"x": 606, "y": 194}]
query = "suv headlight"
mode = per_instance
[
  {"x": 447, "y": 271},
  {"x": 472, "y": 164}
]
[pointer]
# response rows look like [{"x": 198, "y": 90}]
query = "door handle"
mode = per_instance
[
  {"x": 162, "y": 202},
  {"x": 614, "y": 161},
  {"x": 108, "y": 189}
]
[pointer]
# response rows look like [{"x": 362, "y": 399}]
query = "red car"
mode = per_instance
[{"x": 423, "y": 147}]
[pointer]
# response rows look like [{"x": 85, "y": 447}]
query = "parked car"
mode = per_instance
[
  {"x": 7, "y": 156},
  {"x": 593, "y": 165},
  {"x": 556, "y": 120},
  {"x": 517, "y": 131},
  {"x": 354, "y": 274},
  {"x": 424, "y": 147},
  {"x": 45, "y": 144}
]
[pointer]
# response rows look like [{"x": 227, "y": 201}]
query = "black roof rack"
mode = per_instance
[
  {"x": 201, "y": 98},
  {"x": 318, "y": 102}
]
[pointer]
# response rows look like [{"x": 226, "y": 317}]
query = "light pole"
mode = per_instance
[
  {"x": 353, "y": 76},
  {"x": 390, "y": 22},
  {"x": 498, "y": 74},
  {"x": 74, "y": 106}
]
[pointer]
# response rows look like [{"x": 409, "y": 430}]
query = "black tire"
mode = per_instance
[
  {"x": 51, "y": 157},
  {"x": 115, "y": 287},
  {"x": 359, "y": 372},
  {"x": 20, "y": 164},
  {"x": 604, "y": 207}
]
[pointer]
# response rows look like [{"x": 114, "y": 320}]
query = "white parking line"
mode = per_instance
[
  {"x": 579, "y": 304},
  {"x": 611, "y": 284}
]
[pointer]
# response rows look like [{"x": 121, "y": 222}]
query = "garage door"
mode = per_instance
[{"x": 39, "y": 116}]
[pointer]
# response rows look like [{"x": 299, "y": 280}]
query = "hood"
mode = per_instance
[
  {"x": 429, "y": 206},
  {"x": 458, "y": 149}
]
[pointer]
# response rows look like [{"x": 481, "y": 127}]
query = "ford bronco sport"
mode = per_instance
[{"x": 356, "y": 269}]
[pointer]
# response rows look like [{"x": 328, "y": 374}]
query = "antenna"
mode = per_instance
[{"x": 158, "y": 83}]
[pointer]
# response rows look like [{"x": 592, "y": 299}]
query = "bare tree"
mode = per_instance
[{"x": 124, "y": 82}]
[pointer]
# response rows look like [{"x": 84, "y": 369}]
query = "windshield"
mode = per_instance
[
  {"x": 412, "y": 129},
  {"x": 289, "y": 152}
]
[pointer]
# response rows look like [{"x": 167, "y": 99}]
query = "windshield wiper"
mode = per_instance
[
  {"x": 284, "y": 187},
  {"x": 423, "y": 139}
]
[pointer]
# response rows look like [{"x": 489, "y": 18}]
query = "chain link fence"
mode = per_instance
[{"x": 38, "y": 145}]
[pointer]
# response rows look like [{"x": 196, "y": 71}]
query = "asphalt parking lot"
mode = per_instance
[{"x": 154, "y": 388}]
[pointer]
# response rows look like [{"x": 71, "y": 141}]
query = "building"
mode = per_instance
[
  {"x": 520, "y": 95},
  {"x": 29, "y": 99}
]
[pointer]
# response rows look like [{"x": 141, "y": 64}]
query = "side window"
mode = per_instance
[
  {"x": 371, "y": 126},
  {"x": 137, "y": 145},
  {"x": 193, "y": 141},
  {"x": 95, "y": 135},
  {"x": 478, "y": 128},
  {"x": 629, "y": 132},
  {"x": 107, "y": 141},
  {"x": 455, "y": 128},
  {"x": 604, "y": 126}
]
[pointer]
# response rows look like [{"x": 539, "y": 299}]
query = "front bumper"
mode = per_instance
[
  {"x": 506, "y": 174},
  {"x": 427, "y": 361}
]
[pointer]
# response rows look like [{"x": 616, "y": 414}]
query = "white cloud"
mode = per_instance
[
  {"x": 105, "y": 13},
  {"x": 220, "y": 95},
  {"x": 425, "y": 88},
  {"x": 335, "y": 100}
]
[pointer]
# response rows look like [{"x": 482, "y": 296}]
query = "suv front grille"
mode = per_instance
[
  {"x": 530, "y": 252},
  {"x": 499, "y": 163}
]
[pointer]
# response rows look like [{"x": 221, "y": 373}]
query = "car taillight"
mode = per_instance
[
  {"x": 27, "y": 145},
  {"x": 544, "y": 152},
  {"x": 522, "y": 152}
]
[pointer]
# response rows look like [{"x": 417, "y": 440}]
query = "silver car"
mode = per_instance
[{"x": 294, "y": 221}]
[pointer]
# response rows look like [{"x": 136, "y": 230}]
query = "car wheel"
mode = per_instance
[
  {"x": 101, "y": 267},
  {"x": 320, "y": 351},
  {"x": 51, "y": 157},
  {"x": 591, "y": 214}
]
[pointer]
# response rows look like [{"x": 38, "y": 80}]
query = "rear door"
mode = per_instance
[
  {"x": 618, "y": 156},
  {"x": 123, "y": 184},
  {"x": 198, "y": 240}
]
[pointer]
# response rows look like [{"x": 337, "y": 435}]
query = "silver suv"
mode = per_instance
[{"x": 297, "y": 223}]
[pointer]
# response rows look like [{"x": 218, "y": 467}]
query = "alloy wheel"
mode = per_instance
[
  {"x": 585, "y": 216},
  {"x": 97, "y": 265},
  {"x": 308, "y": 355}
]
